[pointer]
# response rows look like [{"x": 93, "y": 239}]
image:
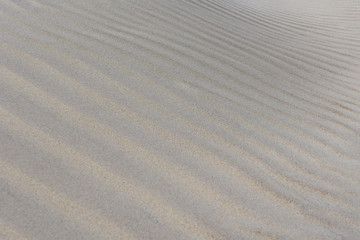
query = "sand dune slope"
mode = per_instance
[{"x": 179, "y": 119}]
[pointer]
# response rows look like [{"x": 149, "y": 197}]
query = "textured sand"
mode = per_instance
[{"x": 179, "y": 119}]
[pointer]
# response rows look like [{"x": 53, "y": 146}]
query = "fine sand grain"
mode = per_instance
[{"x": 179, "y": 119}]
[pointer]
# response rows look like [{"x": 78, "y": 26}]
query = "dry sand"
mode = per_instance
[{"x": 179, "y": 119}]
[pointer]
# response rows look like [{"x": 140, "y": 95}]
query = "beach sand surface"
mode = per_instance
[{"x": 179, "y": 119}]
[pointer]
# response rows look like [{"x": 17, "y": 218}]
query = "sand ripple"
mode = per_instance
[{"x": 179, "y": 119}]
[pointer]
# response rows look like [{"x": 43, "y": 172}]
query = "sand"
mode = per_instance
[{"x": 179, "y": 119}]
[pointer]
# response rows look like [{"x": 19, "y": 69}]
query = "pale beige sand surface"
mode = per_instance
[{"x": 179, "y": 119}]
